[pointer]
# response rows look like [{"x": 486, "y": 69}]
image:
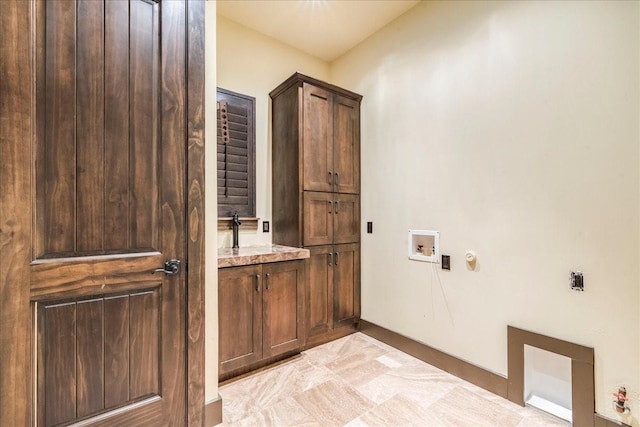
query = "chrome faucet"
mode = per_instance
[{"x": 236, "y": 225}]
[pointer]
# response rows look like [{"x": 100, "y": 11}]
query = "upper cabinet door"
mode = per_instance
[
  {"x": 317, "y": 137},
  {"x": 346, "y": 145}
]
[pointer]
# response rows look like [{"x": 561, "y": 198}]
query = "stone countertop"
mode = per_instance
[{"x": 228, "y": 257}]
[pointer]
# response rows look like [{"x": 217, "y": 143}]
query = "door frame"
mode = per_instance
[{"x": 17, "y": 118}]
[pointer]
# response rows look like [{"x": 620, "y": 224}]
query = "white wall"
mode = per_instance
[
  {"x": 253, "y": 64},
  {"x": 512, "y": 128},
  {"x": 211, "y": 210}
]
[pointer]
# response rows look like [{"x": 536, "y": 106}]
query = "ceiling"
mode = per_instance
[{"x": 325, "y": 29}]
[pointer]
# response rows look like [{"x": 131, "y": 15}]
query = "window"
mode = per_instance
[{"x": 236, "y": 154}]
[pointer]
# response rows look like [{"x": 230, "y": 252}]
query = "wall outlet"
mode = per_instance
[
  {"x": 577, "y": 281},
  {"x": 265, "y": 226}
]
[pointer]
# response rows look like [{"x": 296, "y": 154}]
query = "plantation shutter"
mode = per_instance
[{"x": 236, "y": 154}]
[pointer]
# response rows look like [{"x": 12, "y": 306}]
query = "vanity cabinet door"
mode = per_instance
[
  {"x": 346, "y": 284},
  {"x": 240, "y": 315},
  {"x": 283, "y": 305}
]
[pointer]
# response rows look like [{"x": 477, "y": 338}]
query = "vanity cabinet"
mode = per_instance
[
  {"x": 260, "y": 313},
  {"x": 316, "y": 195}
]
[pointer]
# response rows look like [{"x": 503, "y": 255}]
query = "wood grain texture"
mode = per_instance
[
  {"x": 346, "y": 145},
  {"x": 116, "y": 154},
  {"x": 319, "y": 216},
  {"x": 92, "y": 275},
  {"x": 90, "y": 127},
  {"x": 116, "y": 351},
  {"x": 143, "y": 124},
  {"x": 240, "y": 316},
  {"x": 89, "y": 357},
  {"x": 319, "y": 296},
  {"x": 60, "y": 128},
  {"x": 16, "y": 79},
  {"x": 283, "y": 307},
  {"x": 144, "y": 351},
  {"x": 346, "y": 282},
  {"x": 196, "y": 211},
  {"x": 286, "y": 181},
  {"x": 173, "y": 202},
  {"x": 346, "y": 218},
  {"x": 317, "y": 136},
  {"x": 59, "y": 363}
]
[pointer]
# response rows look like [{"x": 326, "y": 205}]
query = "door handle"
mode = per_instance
[
  {"x": 330, "y": 204},
  {"x": 337, "y": 255},
  {"x": 266, "y": 281},
  {"x": 330, "y": 258},
  {"x": 257, "y": 283},
  {"x": 330, "y": 180},
  {"x": 337, "y": 207},
  {"x": 171, "y": 268}
]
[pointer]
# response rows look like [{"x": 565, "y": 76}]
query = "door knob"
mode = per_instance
[{"x": 171, "y": 268}]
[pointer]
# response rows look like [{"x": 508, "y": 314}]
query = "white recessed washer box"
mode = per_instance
[{"x": 424, "y": 245}]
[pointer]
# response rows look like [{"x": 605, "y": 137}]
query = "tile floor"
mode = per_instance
[{"x": 359, "y": 381}]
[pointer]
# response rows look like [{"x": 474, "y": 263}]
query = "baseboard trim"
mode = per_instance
[
  {"x": 213, "y": 412},
  {"x": 601, "y": 421},
  {"x": 489, "y": 381}
]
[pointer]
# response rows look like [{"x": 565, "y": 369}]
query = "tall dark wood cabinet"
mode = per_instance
[{"x": 316, "y": 196}]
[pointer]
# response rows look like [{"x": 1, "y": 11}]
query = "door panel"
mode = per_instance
[
  {"x": 320, "y": 291},
  {"x": 346, "y": 218},
  {"x": 317, "y": 137},
  {"x": 283, "y": 307},
  {"x": 100, "y": 185},
  {"x": 346, "y": 300},
  {"x": 318, "y": 218},
  {"x": 109, "y": 210},
  {"x": 78, "y": 350},
  {"x": 346, "y": 145}
]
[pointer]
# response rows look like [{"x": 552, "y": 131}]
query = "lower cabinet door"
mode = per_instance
[
  {"x": 346, "y": 284},
  {"x": 283, "y": 305},
  {"x": 320, "y": 290},
  {"x": 240, "y": 292}
]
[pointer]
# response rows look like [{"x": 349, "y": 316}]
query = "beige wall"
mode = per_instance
[
  {"x": 512, "y": 128},
  {"x": 211, "y": 209},
  {"x": 253, "y": 64}
]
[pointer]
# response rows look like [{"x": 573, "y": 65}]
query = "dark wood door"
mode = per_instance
[
  {"x": 320, "y": 290},
  {"x": 283, "y": 307},
  {"x": 240, "y": 316},
  {"x": 109, "y": 210},
  {"x": 318, "y": 218},
  {"x": 346, "y": 284},
  {"x": 346, "y": 218},
  {"x": 346, "y": 145},
  {"x": 317, "y": 137}
]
